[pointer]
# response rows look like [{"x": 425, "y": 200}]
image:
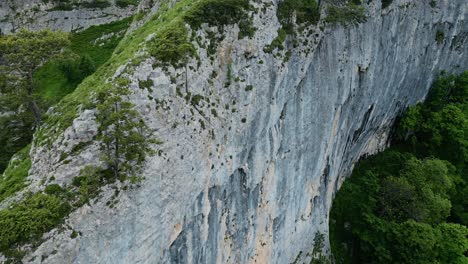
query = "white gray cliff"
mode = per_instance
[
  {"x": 40, "y": 14},
  {"x": 256, "y": 184}
]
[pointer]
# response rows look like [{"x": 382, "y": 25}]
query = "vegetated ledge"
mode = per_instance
[{"x": 14, "y": 177}]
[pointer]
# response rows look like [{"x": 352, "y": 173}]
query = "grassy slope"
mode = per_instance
[
  {"x": 67, "y": 109},
  {"x": 53, "y": 84}
]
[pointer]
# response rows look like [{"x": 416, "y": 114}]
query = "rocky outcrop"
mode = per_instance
[
  {"x": 248, "y": 174},
  {"x": 40, "y": 14}
]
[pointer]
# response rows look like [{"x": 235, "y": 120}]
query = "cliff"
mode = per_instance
[
  {"x": 247, "y": 172},
  {"x": 59, "y": 15}
]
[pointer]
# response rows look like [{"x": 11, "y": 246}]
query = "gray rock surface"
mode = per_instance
[
  {"x": 40, "y": 14},
  {"x": 256, "y": 184}
]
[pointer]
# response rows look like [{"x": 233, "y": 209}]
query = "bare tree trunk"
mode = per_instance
[
  {"x": 32, "y": 103},
  {"x": 117, "y": 146},
  {"x": 186, "y": 78}
]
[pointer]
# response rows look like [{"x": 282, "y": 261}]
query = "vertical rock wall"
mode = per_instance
[{"x": 257, "y": 184}]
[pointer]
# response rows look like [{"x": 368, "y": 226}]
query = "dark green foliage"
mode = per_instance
[
  {"x": 76, "y": 69},
  {"x": 63, "y": 7},
  {"x": 317, "y": 254},
  {"x": 125, "y": 3},
  {"x": 54, "y": 80},
  {"x": 399, "y": 205},
  {"x": 146, "y": 84},
  {"x": 13, "y": 178},
  {"x": 217, "y": 13},
  {"x": 25, "y": 222},
  {"x": 22, "y": 54},
  {"x": 350, "y": 14},
  {"x": 96, "y": 4},
  {"x": 277, "y": 43},
  {"x": 171, "y": 45},
  {"x": 386, "y": 3},
  {"x": 74, "y": 234},
  {"x": 15, "y": 134},
  {"x": 196, "y": 99},
  {"x": 124, "y": 135},
  {"x": 306, "y": 11},
  {"x": 89, "y": 183},
  {"x": 438, "y": 127},
  {"x": 440, "y": 36},
  {"x": 53, "y": 189}
]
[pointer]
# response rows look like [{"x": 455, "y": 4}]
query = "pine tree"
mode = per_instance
[
  {"x": 124, "y": 135},
  {"x": 21, "y": 55}
]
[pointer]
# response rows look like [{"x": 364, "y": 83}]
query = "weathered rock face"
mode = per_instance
[
  {"x": 255, "y": 182},
  {"x": 40, "y": 14}
]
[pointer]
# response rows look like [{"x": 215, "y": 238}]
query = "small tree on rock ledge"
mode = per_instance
[{"x": 124, "y": 135}]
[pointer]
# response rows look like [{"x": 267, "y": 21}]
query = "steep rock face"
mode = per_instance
[
  {"x": 255, "y": 182},
  {"x": 40, "y": 14}
]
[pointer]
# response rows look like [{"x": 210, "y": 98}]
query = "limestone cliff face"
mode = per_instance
[
  {"x": 255, "y": 183},
  {"x": 40, "y": 14}
]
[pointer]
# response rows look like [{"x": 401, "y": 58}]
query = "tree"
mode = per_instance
[
  {"x": 21, "y": 55},
  {"x": 122, "y": 132}
]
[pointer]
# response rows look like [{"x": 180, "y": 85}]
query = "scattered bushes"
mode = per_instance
[
  {"x": 96, "y": 4},
  {"x": 386, "y": 3},
  {"x": 25, "y": 222},
  {"x": 440, "y": 36},
  {"x": 306, "y": 11},
  {"x": 277, "y": 43},
  {"x": 217, "y": 13},
  {"x": 350, "y": 14},
  {"x": 171, "y": 44},
  {"x": 125, "y": 3}
]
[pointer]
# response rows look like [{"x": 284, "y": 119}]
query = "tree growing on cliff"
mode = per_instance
[
  {"x": 21, "y": 55},
  {"x": 124, "y": 135}
]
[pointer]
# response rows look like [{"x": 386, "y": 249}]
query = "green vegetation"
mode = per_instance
[
  {"x": 14, "y": 177},
  {"x": 26, "y": 221},
  {"x": 306, "y": 12},
  {"x": 349, "y": 14},
  {"x": 125, "y": 3},
  {"x": 217, "y": 13},
  {"x": 55, "y": 79},
  {"x": 96, "y": 4},
  {"x": 277, "y": 43},
  {"x": 440, "y": 36},
  {"x": 90, "y": 42},
  {"x": 124, "y": 135},
  {"x": 317, "y": 254},
  {"x": 386, "y": 3},
  {"x": 171, "y": 44},
  {"x": 408, "y": 204},
  {"x": 22, "y": 55},
  {"x": 68, "y": 5}
]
